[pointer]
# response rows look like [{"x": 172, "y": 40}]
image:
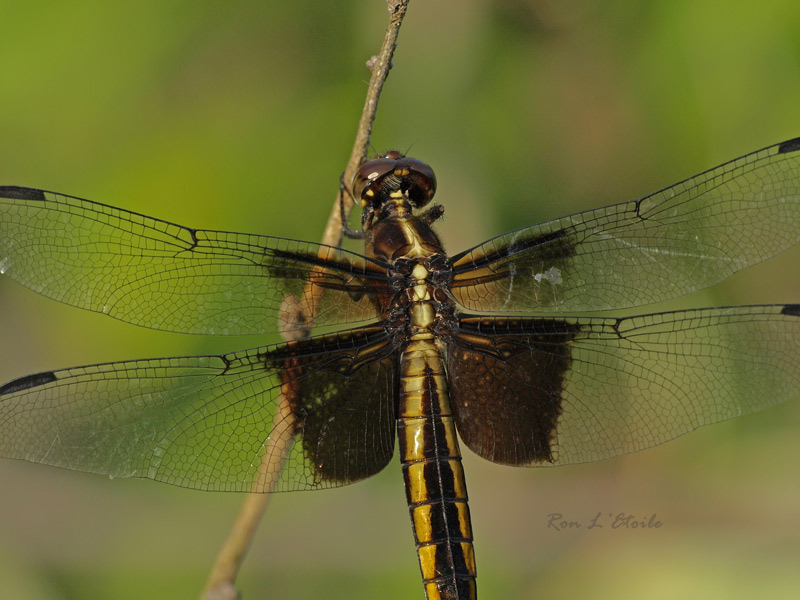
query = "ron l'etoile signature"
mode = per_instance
[{"x": 603, "y": 520}]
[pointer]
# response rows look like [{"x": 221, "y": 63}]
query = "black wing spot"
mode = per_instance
[
  {"x": 789, "y": 146},
  {"x": 28, "y": 382},
  {"x": 793, "y": 310},
  {"x": 21, "y": 193}
]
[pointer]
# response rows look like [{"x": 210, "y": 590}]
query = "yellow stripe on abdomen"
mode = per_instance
[{"x": 435, "y": 487}]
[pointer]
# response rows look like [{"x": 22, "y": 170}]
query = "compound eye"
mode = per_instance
[
  {"x": 421, "y": 181},
  {"x": 370, "y": 172}
]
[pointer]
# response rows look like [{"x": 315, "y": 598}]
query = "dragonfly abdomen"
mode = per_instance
[{"x": 435, "y": 485}]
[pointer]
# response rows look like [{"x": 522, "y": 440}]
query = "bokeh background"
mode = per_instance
[{"x": 240, "y": 116}]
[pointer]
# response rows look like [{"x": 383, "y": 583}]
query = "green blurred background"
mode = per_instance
[{"x": 240, "y": 116}]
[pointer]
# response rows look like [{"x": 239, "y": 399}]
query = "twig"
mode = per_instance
[
  {"x": 380, "y": 66},
  {"x": 221, "y": 581}
]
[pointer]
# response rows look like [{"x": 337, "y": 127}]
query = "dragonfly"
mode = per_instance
[{"x": 492, "y": 345}]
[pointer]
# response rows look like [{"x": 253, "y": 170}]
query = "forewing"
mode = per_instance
[
  {"x": 531, "y": 392},
  {"x": 321, "y": 407},
  {"x": 164, "y": 276},
  {"x": 683, "y": 238}
]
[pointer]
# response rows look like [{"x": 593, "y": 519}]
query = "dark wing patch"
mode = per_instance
[
  {"x": 168, "y": 277},
  {"x": 681, "y": 239},
  {"x": 506, "y": 380},
  {"x": 340, "y": 391},
  {"x": 612, "y": 386},
  {"x": 225, "y": 423}
]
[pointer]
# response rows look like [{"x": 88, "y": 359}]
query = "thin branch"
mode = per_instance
[
  {"x": 380, "y": 66},
  {"x": 221, "y": 581}
]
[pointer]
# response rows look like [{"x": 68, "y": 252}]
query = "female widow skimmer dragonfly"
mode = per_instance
[{"x": 519, "y": 390}]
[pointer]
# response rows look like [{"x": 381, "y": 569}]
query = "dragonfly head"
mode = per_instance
[{"x": 378, "y": 179}]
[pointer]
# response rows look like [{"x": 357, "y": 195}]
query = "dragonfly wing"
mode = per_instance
[
  {"x": 169, "y": 277},
  {"x": 321, "y": 407},
  {"x": 683, "y": 238},
  {"x": 538, "y": 392}
]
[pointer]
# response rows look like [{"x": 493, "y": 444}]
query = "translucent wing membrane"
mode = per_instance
[
  {"x": 163, "y": 276},
  {"x": 673, "y": 242},
  {"x": 532, "y": 392},
  {"x": 215, "y": 422}
]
